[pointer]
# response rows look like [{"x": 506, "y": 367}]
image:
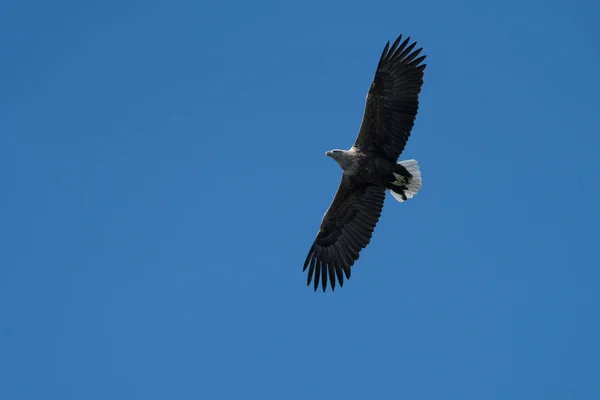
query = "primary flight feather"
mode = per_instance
[{"x": 370, "y": 167}]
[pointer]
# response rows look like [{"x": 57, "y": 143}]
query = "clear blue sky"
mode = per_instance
[{"x": 164, "y": 175}]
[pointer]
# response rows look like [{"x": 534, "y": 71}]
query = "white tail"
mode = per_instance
[{"x": 413, "y": 185}]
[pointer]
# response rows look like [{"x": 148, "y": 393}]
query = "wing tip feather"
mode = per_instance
[{"x": 327, "y": 266}]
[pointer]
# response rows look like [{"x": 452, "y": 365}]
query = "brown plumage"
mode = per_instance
[{"x": 370, "y": 167}]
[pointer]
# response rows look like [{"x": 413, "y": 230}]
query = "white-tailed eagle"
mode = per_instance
[{"x": 370, "y": 167}]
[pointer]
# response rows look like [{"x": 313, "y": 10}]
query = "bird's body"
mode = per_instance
[{"x": 370, "y": 166}]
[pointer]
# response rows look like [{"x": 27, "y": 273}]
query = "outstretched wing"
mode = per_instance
[
  {"x": 393, "y": 101},
  {"x": 346, "y": 229}
]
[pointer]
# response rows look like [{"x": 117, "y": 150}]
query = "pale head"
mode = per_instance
[{"x": 340, "y": 156}]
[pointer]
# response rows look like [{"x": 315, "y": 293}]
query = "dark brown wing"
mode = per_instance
[
  {"x": 393, "y": 101},
  {"x": 346, "y": 229}
]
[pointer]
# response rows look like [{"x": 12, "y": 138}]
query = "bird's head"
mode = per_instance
[
  {"x": 340, "y": 156},
  {"x": 335, "y": 154}
]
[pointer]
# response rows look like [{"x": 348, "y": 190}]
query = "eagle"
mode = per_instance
[{"x": 370, "y": 166}]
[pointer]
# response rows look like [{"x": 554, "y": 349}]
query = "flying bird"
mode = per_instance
[{"x": 371, "y": 166}]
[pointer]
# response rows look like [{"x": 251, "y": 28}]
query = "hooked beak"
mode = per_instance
[{"x": 328, "y": 154}]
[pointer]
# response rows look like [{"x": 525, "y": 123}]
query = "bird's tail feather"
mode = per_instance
[{"x": 406, "y": 185}]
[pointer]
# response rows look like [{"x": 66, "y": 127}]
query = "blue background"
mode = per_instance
[{"x": 164, "y": 175}]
